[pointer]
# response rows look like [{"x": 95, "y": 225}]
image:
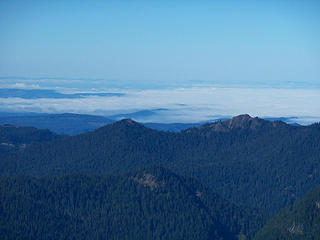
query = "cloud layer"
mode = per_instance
[
  {"x": 192, "y": 104},
  {"x": 46, "y": 93}
]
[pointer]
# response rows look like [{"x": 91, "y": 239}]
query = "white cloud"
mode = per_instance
[
  {"x": 187, "y": 104},
  {"x": 20, "y": 85}
]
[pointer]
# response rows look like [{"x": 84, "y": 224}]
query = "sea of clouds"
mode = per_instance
[{"x": 191, "y": 104}]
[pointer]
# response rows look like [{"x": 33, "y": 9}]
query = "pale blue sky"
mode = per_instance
[{"x": 160, "y": 43}]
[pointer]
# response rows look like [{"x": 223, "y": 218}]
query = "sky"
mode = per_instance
[{"x": 244, "y": 47}]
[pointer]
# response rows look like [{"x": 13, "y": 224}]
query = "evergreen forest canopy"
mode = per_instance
[
  {"x": 299, "y": 221},
  {"x": 149, "y": 204},
  {"x": 13, "y": 138},
  {"x": 257, "y": 165}
]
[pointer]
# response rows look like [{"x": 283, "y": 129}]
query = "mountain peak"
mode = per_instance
[
  {"x": 243, "y": 121},
  {"x": 125, "y": 124},
  {"x": 240, "y": 119},
  {"x": 128, "y": 122},
  {"x": 240, "y": 122}
]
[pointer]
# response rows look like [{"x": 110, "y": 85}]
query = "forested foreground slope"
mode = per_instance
[
  {"x": 255, "y": 163},
  {"x": 149, "y": 204},
  {"x": 300, "y": 221}
]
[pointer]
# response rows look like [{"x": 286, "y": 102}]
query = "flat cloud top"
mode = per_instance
[{"x": 192, "y": 104}]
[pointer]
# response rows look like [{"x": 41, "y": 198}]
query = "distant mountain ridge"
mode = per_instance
[
  {"x": 66, "y": 123},
  {"x": 241, "y": 122},
  {"x": 73, "y": 124},
  {"x": 238, "y": 122}
]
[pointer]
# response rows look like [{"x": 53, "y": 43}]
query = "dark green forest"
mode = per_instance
[
  {"x": 259, "y": 166},
  {"x": 150, "y": 204},
  {"x": 14, "y": 138},
  {"x": 300, "y": 221}
]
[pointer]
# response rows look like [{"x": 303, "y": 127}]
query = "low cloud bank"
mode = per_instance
[{"x": 193, "y": 104}]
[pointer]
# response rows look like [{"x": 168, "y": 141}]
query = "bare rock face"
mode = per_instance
[
  {"x": 239, "y": 122},
  {"x": 147, "y": 180}
]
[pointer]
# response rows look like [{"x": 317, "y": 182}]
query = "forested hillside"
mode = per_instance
[
  {"x": 149, "y": 204},
  {"x": 254, "y": 163},
  {"x": 300, "y": 221},
  {"x": 14, "y": 138}
]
